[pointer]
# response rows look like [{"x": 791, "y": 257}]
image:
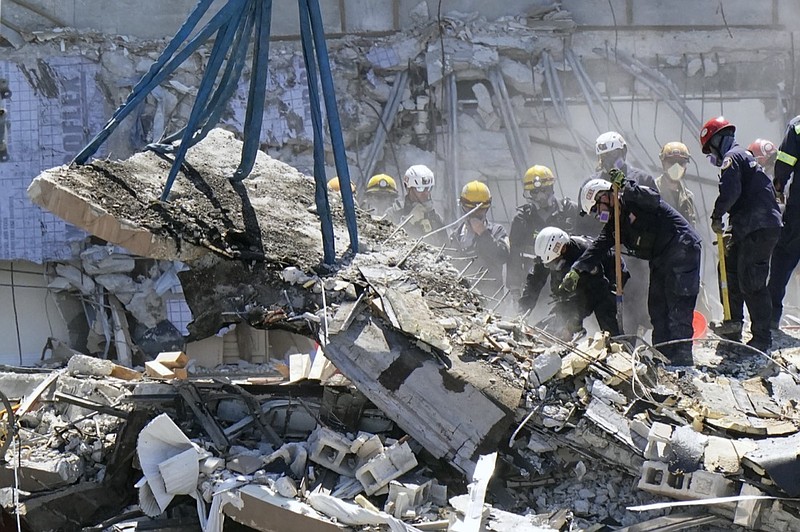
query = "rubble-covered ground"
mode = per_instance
[{"x": 410, "y": 406}]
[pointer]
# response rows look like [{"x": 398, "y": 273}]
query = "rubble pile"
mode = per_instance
[{"x": 409, "y": 406}]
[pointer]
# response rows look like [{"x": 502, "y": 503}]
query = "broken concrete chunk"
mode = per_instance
[
  {"x": 86, "y": 365},
  {"x": 608, "y": 395},
  {"x": 99, "y": 260},
  {"x": 245, "y": 464},
  {"x": 687, "y": 446},
  {"x": 286, "y": 487},
  {"x": 546, "y": 366},
  {"x": 80, "y": 281},
  {"x": 367, "y": 446},
  {"x": 387, "y": 466}
]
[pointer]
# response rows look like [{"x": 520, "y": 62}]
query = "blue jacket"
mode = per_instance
[
  {"x": 788, "y": 160},
  {"x": 649, "y": 229},
  {"x": 746, "y": 194}
]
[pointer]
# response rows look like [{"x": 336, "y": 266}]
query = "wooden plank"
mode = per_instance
[{"x": 32, "y": 398}]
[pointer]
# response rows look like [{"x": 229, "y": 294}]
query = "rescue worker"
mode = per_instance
[
  {"x": 748, "y": 197},
  {"x": 674, "y": 158},
  {"x": 415, "y": 212},
  {"x": 480, "y": 241},
  {"x": 765, "y": 153},
  {"x": 335, "y": 186},
  {"x": 556, "y": 252},
  {"x": 380, "y": 194},
  {"x": 612, "y": 153},
  {"x": 651, "y": 230},
  {"x": 541, "y": 209},
  {"x": 787, "y": 251}
]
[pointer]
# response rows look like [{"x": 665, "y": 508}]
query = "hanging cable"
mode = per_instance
[{"x": 16, "y": 315}]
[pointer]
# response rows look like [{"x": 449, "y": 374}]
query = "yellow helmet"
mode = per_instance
[
  {"x": 381, "y": 184},
  {"x": 677, "y": 150},
  {"x": 538, "y": 176},
  {"x": 475, "y": 193},
  {"x": 335, "y": 186}
]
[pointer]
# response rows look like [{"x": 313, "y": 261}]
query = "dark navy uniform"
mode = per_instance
[
  {"x": 593, "y": 294},
  {"x": 636, "y": 290},
  {"x": 786, "y": 254},
  {"x": 747, "y": 195},
  {"x": 531, "y": 219},
  {"x": 653, "y": 231}
]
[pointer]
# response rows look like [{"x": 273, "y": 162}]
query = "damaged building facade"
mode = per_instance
[{"x": 232, "y": 378}]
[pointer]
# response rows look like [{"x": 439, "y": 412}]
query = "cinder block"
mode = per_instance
[
  {"x": 367, "y": 446},
  {"x": 748, "y": 512},
  {"x": 332, "y": 450},
  {"x": 405, "y": 497},
  {"x": 658, "y": 438},
  {"x": 656, "y": 478},
  {"x": 387, "y": 466}
]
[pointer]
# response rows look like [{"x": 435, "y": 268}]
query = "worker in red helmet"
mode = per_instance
[
  {"x": 747, "y": 196},
  {"x": 787, "y": 251},
  {"x": 765, "y": 153}
]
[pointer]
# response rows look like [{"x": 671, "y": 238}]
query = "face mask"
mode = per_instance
[
  {"x": 676, "y": 171},
  {"x": 713, "y": 159},
  {"x": 604, "y": 216},
  {"x": 556, "y": 264},
  {"x": 606, "y": 163}
]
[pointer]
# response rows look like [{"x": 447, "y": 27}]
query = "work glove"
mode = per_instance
[
  {"x": 418, "y": 213},
  {"x": 570, "y": 282},
  {"x": 716, "y": 226},
  {"x": 617, "y": 177}
]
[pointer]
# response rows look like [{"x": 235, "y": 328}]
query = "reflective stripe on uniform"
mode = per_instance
[
  {"x": 786, "y": 158},
  {"x": 797, "y": 128}
]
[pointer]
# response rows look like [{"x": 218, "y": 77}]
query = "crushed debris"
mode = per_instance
[{"x": 399, "y": 402}]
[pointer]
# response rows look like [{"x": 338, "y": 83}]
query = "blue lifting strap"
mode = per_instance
[{"x": 234, "y": 25}]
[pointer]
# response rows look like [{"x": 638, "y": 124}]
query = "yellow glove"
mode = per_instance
[
  {"x": 617, "y": 177},
  {"x": 570, "y": 282}
]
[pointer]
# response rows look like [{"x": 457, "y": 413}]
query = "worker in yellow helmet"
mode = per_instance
[
  {"x": 483, "y": 242},
  {"x": 380, "y": 194},
  {"x": 335, "y": 186},
  {"x": 674, "y": 160},
  {"x": 541, "y": 209}
]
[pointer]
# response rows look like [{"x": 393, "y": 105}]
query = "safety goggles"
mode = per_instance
[{"x": 673, "y": 159}]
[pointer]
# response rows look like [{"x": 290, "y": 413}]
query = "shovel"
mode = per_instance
[
  {"x": 727, "y": 326},
  {"x": 617, "y": 256}
]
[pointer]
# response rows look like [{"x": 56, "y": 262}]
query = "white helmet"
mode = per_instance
[
  {"x": 609, "y": 141},
  {"x": 418, "y": 177},
  {"x": 550, "y": 244},
  {"x": 589, "y": 193}
]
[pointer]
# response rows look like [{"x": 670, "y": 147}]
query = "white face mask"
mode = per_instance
[
  {"x": 556, "y": 264},
  {"x": 676, "y": 171}
]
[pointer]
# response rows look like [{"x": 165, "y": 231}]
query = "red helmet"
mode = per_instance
[
  {"x": 711, "y": 128},
  {"x": 763, "y": 150}
]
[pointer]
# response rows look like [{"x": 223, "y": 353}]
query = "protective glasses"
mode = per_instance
[{"x": 675, "y": 159}]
